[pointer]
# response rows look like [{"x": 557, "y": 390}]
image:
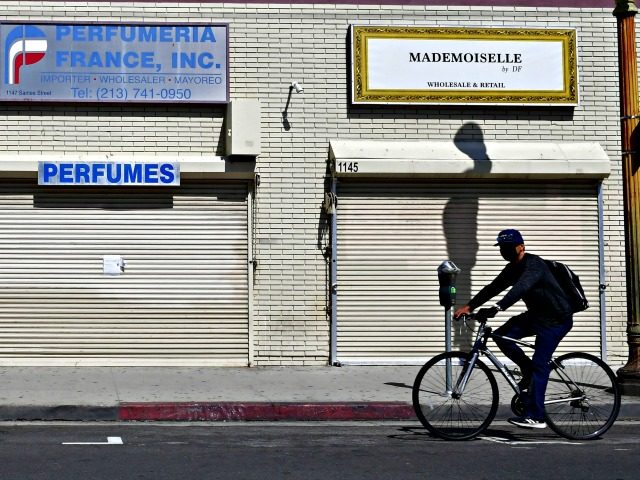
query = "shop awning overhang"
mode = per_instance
[
  {"x": 473, "y": 160},
  {"x": 191, "y": 166}
]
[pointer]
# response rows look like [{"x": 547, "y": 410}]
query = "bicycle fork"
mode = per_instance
[
  {"x": 464, "y": 378},
  {"x": 468, "y": 366}
]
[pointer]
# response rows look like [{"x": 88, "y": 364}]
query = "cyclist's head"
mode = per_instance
[
  {"x": 511, "y": 245},
  {"x": 509, "y": 236}
]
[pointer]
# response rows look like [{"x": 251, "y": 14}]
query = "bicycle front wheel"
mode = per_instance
[
  {"x": 583, "y": 398},
  {"x": 447, "y": 414}
]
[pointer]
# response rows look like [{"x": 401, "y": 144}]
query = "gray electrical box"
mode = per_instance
[{"x": 243, "y": 127}]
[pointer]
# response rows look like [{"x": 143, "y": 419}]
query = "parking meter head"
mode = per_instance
[{"x": 447, "y": 273}]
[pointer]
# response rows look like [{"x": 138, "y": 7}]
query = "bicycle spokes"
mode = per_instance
[
  {"x": 457, "y": 413},
  {"x": 582, "y": 399}
]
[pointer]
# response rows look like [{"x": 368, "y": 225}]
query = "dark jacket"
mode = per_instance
[{"x": 532, "y": 281}]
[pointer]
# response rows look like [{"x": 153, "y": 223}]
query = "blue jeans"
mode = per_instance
[{"x": 536, "y": 368}]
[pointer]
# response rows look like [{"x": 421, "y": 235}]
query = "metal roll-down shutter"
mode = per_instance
[
  {"x": 182, "y": 300},
  {"x": 392, "y": 237}
]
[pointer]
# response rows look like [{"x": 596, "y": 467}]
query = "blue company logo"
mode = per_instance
[
  {"x": 109, "y": 173},
  {"x": 24, "y": 45}
]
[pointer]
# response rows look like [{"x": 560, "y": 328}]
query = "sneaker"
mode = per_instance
[{"x": 527, "y": 422}]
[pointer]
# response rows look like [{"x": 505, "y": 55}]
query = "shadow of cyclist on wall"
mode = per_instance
[{"x": 460, "y": 220}]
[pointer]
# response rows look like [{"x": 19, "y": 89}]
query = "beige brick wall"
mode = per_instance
[{"x": 269, "y": 47}]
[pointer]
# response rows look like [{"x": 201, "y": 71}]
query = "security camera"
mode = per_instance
[{"x": 297, "y": 87}]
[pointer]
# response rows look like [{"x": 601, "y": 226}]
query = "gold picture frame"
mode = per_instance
[{"x": 464, "y": 92}]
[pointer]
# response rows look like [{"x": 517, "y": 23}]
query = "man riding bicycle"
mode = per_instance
[{"x": 548, "y": 317}]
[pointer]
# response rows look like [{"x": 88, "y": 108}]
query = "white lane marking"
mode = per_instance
[
  {"x": 533, "y": 442},
  {"x": 110, "y": 441}
]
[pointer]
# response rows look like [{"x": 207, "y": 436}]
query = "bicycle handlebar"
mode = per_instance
[{"x": 466, "y": 317}]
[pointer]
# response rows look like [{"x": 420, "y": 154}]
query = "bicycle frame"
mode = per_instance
[{"x": 480, "y": 347}]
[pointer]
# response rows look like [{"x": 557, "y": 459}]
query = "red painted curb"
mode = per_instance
[{"x": 255, "y": 411}]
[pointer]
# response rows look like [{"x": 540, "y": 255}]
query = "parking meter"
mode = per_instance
[{"x": 447, "y": 273}]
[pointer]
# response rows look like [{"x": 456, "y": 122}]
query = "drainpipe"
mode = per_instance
[
  {"x": 602, "y": 286},
  {"x": 330, "y": 204}
]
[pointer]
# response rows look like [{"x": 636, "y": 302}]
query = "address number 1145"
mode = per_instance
[{"x": 347, "y": 167}]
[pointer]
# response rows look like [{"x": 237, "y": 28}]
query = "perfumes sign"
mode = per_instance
[{"x": 414, "y": 65}]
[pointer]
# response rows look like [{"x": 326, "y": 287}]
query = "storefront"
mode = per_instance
[
  {"x": 402, "y": 208},
  {"x": 138, "y": 275}
]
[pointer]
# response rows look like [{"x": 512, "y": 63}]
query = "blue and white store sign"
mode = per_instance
[
  {"x": 114, "y": 63},
  {"x": 157, "y": 174}
]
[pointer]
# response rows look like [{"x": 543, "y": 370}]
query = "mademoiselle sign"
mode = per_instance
[
  {"x": 416, "y": 65},
  {"x": 114, "y": 62}
]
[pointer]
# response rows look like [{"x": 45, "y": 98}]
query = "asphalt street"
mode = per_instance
[{"x": 307, "y": 451}]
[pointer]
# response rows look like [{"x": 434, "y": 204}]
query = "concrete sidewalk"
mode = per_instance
[{"x": 218, "y": 393}]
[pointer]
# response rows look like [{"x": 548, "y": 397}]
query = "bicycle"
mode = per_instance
[{"x": 455, "y": 394}]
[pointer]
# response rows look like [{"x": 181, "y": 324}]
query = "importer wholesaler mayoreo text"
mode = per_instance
[{"x": 452, "y": 57}]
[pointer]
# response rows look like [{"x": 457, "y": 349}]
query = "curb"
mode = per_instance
[
  {"x": 238, "y": 411},
  {"x": 71, "y": 413},
  {"x": 260, "y": 411}
]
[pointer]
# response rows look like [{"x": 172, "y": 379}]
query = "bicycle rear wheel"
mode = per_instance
[
  {"x": 450, "y": 416},
  {"x": 586, "y": 397}
]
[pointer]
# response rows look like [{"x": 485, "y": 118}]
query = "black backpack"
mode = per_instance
[{"x": 570, "y": 284}]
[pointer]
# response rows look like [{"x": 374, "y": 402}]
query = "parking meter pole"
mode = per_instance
[
  {"x": 447, "y": 344},
  {"x": 447, "y": 273},
  {"x": 447, "y": 325}
]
